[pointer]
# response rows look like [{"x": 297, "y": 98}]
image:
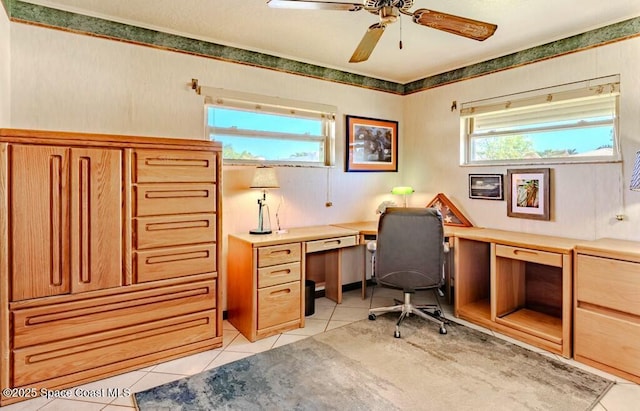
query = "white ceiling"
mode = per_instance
[{"x": 328, "y": 38}]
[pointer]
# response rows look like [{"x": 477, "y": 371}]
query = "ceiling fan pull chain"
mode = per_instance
[{"x": 400, "y": 44}]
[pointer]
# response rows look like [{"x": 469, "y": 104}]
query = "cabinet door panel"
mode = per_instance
[
  {"x": 96, "y": 219},
  {"x": 39, "y": 221}
]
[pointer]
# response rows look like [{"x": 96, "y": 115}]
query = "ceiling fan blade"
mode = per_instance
[
  {"x": 461, "y": 26},
  {"x": 313, "y": 5},
  {"x": 368, "y": 43}
]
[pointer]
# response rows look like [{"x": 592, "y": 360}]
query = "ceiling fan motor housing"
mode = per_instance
[{"x": 376, "y": 6}]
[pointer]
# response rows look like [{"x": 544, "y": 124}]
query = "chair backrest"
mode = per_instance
[{"x": 410, "y": 248}]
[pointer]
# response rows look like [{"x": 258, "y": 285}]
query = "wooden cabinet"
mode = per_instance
[
  {"x": 517, "y": 284},
  {"x": 108, "y": 255},
  {"x": 267, "y": 276},
  {"x": 607, "y": 306}
]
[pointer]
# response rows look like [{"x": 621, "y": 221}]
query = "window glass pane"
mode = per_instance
[
  {"x": 248, "y": 120},
  {"x": 267, "y": 137},
  {"x": 247, "y": 148},
  {"x": 573, "y": 142}
]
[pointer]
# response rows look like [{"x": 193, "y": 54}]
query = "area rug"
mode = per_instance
[{"x": 361, "y": 366}]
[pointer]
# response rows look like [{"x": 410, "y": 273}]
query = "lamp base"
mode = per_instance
[{"x": 259, "y": 231}]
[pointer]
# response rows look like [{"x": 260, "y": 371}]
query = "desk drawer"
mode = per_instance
[
  {"x": 331, "y": 243},
  {"x": 167, "y": 231},
  {"x": 175, "y": 262},
  {"x": 160, "y": 166},
  {"x": 612, "y": 341},
  {"x": 161, "y": 199},
  {"x": 608, "y": 283},
  {"x": 278, "y": 274},
  {"x": 279, "y": 254},
  {"x": 278, "y": 304},
  {"x": 526, "y": 254}
]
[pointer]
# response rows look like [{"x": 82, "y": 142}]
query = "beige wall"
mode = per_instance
[
  {"x": 5, "y": 64},
  {"x": 585, "y": 198}
]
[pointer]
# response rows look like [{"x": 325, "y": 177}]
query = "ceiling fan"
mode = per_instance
[{"x": 389, "y": 11}]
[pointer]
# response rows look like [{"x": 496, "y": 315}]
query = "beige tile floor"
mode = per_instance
[{"x": 328, "y": 315}]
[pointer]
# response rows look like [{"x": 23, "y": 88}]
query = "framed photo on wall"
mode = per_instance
[
  {"x": 528, "y": 193},
  {"x": 372, "y": 144},
  {"x": 486, "y": 186}
]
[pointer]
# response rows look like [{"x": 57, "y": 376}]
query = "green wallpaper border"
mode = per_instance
[{"x": 20, "y": 11}]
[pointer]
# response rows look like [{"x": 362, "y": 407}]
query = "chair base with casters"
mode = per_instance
[{"x": 432, "y": 312}]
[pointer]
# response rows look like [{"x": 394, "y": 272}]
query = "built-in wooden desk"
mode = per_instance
[
  {"x": 518, "y": 284},
  {"x": 267, "y": 273}
]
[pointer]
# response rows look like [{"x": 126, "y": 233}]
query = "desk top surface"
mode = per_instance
[
  {"x": 295, "y": 235},
  {"x": 371, "y": 228},
  {"x": 612, "y": 248}
]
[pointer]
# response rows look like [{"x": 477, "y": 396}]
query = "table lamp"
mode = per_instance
[
  {"x": 404, "y": 191},
  {"x": 263, "y": 178},
  {"x": 635, "y": 176}
]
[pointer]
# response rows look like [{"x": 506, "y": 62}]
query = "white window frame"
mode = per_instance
[
  {"x": 231, "y": 99},
  {"x": 567, "y": 96}
]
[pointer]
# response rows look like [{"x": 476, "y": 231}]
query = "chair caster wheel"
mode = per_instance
[
  {"x": 443, "y": 330},
  {"x": 396, "y": 334},
  {"x": 372, "y": 317}
]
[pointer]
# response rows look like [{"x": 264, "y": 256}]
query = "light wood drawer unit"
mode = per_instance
[
  {"x": 166, "y": 231},
  {"x": 331, "y": 244},
  {"x": 172, "y": 262},
  {"x": 607, "y": 306},
  {"x": 267, "y": 273},
  {"x": 163, "y": 199},
  {"x": 278, "y": 274},
  {"x": 609, "y": 283},
  {"x": 279, "y": 254},
  {"x": 530, "y": 255},
  {"x": 278, "y": 305},
  {"x": 153, "y": 166}
]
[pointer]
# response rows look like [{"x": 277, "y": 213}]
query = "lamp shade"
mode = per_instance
[
  {"x": 635, "y": 176},
  {"x": 402, "y": 190},
  {"x": 265, "y": 177}
]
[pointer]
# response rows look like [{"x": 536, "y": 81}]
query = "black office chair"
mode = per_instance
[{"x": 408, "y": 254}]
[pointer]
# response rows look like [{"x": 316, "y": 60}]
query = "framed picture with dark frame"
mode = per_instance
[
  {"x": 372, "y": 144},
  {"x": 486, "y": 186},
  {"x": 528, "y": 193}
]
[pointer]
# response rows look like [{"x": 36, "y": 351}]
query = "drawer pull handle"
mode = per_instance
[
  {"x": 280, "y": 252},
  {"x": 178, "y": 225},
  {"x": 176, "y": 162},
  {"x": 516, "y": 252},
  {"x": 332, "y": 242},
  {"x": 281, "y": 292},
  {"x": 281, "y": 272},
  {"x": 177, "y": 194}
]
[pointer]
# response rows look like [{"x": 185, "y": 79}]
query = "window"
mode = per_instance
[
  {"x": 269, "y": 130},
  {"x": 570, "y": 123}
]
